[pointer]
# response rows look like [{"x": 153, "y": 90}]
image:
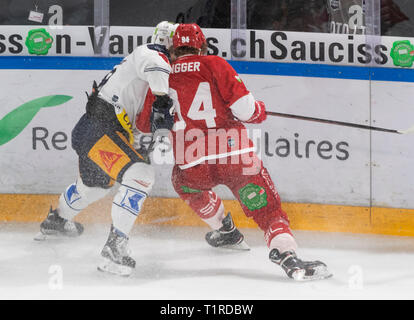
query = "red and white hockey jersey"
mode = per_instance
[{"x": 210, "y": 102}]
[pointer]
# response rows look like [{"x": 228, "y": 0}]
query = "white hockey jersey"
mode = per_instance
[{"x": 126, "y": 86}]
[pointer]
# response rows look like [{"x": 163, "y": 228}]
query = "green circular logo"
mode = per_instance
[
  {"x": 39, "y": 41},
  {"x": 402, "y": 53},
  {"x": 254, "y": 197}
]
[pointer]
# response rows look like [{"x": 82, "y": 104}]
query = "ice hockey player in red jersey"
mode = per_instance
[{"x": 211, "y": 147}]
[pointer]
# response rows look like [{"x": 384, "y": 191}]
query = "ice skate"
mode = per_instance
[
  {"x": 115, "y": 253},
  {"x": 56, "y": 226},
  {"x": 297, "y": 269},
  {"x": 228, "y": 236}
]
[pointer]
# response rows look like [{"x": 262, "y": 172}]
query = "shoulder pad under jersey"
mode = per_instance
[
  {"x": 215, "y": 62},
  {"x": 159, "y": 48}
]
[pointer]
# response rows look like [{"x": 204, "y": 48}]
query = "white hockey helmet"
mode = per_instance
[{"x": 163, "y": 33}]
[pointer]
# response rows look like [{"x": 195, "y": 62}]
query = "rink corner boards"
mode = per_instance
[{"x": 174, "y": 212}]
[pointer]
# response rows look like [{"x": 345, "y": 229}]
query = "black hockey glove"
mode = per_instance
[{"x": 162, "y": 115}]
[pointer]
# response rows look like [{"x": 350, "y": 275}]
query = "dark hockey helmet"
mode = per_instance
[{"x": 189, "y": 35}]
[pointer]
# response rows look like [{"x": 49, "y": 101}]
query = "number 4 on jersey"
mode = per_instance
[{"x": 202, "y": 106}]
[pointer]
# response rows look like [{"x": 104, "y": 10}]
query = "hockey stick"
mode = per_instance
[{"x": 340, "y": 123}]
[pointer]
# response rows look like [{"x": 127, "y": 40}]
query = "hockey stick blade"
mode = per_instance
[
  {"x": 111, "y": 267},
  {"x": 40, "y": 236},
  {"x": 409, "y": 130},
  {"x": 242, "y": 246}
]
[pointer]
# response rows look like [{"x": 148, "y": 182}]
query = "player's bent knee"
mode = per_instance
[
  {"x": 129, "y": 199},
  {"x": 139, "y": 176},
  {"x": 136, "y": 184}
]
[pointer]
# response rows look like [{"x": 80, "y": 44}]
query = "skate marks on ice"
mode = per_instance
[
  {"x": 177, "y": 263},
  {"x": 173, "y": 259},
  {"x": 160, "y": 256}
]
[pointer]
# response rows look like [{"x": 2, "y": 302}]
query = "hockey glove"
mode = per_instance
[
  {"x": 259, "y": 114},
  {"x": 91, "y": 104},
  {"x": 162, "y": 115}
]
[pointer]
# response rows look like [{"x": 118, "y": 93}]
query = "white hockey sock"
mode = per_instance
[
  {"x": 77, "y": 197},
  {"x": 65, "y": 211},
  {"x": 122, "y": 220},
  {"x": 215, "y": 222},
  {"x": 126, "y": 207},
  {"x": 283, "y": 242},
  {"x": 136, "y": 185}
]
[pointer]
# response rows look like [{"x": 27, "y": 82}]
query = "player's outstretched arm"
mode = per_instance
[{"x": 232, "y": 89}]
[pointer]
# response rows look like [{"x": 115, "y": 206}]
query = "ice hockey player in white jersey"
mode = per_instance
[{"x": 104, "y": 141}]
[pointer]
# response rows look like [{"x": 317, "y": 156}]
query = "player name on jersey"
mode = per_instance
[{"x": 186, "y": 67}]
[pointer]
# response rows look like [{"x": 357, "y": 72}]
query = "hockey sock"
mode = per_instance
[
  {"x": 125, "y": 209},
  {"x": 216, "y": 221},
  {"x": 208, "y": 207},
  {"x": 77, "y": 197},
  {"x": 278, "y": 236},
  {"x": 136, "y": 184}
]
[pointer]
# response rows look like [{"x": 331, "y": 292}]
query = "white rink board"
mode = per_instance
[
  {"x": 251, "y": 45},
  {"x": 299, "y": 179},
  {"x": 392, "y": 155},
  {"x": 28, "y": 170},
  {"x": 313, "y": 179}
]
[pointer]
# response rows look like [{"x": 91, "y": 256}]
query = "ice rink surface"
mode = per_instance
[{"x": 176, "y": 263}]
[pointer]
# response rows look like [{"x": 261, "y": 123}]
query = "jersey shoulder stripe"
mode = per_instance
[
  {"x": 159, "y": 48},
  {"x": 151, "y": 69}
]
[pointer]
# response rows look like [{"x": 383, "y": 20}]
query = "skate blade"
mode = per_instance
[
  {"x": 39, "y": 237},
  {"x": 52, "y": 236},
  {"x": 299, "y": 275},
  {"x": 242, "y": 246},
  {"x": 111, "y": 267},
  {"x": 43, "y": 237},
  {"x": 321, "y": 273}
]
